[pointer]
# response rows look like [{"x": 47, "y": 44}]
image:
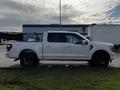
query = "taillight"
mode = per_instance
[{"x": 8, "y": 47}]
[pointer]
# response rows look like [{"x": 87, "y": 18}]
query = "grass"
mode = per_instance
[{"x": 60, "y": 78}]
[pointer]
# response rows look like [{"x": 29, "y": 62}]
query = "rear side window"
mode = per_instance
[
  {"x": 33, "y": 37},
  {"x": 56, "y": 37}
]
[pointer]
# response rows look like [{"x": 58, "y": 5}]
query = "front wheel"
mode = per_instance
[
  {"x": 28, "y": 59},
  {"x": 100, "y": 59}
]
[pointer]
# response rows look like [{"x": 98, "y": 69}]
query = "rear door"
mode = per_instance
[{"x": 54, "y": 46}]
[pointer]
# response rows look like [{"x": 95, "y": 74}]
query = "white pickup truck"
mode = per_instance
[{"x": 60, "y": 46}]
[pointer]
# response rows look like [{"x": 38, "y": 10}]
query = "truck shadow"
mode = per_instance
[{"x": 56, "y": 67}]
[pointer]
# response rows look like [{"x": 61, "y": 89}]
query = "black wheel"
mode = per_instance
[
  {"x": 100, "y": 59},
  {"x": 28, "y": 59}
]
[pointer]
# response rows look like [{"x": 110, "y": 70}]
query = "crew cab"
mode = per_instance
[{"x": 60, "y": 46}]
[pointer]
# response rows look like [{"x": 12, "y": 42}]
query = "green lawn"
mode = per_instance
[{"x": 60, "y": 78}]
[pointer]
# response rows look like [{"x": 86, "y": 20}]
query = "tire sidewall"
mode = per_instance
[
  {"x": 100, "y": 59},
  {"x": 31, "y": 59}
]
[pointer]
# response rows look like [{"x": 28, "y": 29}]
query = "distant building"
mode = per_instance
[
  {"x": 29, "y": 30},
  {"x": 97, "y": 32}
]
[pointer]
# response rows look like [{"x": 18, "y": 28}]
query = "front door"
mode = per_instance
[{"x": 74, "y": 49}]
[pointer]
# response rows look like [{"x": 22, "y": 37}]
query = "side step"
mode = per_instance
[{"x": 63, "y": 62}]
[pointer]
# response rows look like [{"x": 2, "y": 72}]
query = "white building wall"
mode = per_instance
[{"x": 107, "y": 33}]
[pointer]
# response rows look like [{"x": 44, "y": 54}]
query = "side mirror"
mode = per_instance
[
  {"x": 84, "y": 42},
  {"x": 77, "y": 42}
]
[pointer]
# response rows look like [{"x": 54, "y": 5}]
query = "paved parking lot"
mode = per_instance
[{"x": 5, "y": 62}]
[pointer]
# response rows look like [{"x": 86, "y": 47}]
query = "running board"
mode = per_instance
[{"x": 63, "y": 62}]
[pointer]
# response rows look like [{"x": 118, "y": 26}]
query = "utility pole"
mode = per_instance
[
  {"x": 60, "y": 7},
  {"x": 92, "y": 30}
]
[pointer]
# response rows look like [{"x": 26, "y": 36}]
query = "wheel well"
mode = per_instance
[
  {"x": 27, "y": 51},
  {"x": 101, "y": 51}
]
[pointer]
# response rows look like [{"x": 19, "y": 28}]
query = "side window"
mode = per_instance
[
  {"x": 73, "y": 38},
  {"x": 56, "y": 37},
  {"x": 64, "y": 38},
  {"x": 38, "y": 37},
  {"x": 33, "y": 37},
  {"x": 29, "y": 37}
]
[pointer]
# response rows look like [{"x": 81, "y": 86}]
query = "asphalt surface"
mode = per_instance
[{"x": 6, "y": 62}]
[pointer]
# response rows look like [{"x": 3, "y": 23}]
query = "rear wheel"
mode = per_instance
[
  {"x": 100, "y": 59},
  {"x": 28, "y": 59}
]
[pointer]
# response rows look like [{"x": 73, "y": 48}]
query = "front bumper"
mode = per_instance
[{"x": 112, "y": 56}]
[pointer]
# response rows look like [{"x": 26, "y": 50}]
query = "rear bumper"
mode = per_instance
[{"x": 8, "y": 56}]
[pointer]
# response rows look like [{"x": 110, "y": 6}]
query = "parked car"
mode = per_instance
[{"x": 61, "y": 46}]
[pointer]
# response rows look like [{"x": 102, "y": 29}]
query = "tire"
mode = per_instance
[
  {"x": 100, "y": 59},
  {"x": 28, "y": 59}
]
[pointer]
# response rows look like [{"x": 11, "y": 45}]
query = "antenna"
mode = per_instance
[{"x": 60, "y": 3}]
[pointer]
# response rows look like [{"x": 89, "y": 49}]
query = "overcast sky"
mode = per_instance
[{"x": 15, "y": 13}]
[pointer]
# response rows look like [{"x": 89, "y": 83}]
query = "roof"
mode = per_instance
[
  {"x": 60, "y": 32},
  {"x": 54, "y": 25}
]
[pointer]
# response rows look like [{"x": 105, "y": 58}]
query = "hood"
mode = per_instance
[{"x": 101, "y": 43}]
